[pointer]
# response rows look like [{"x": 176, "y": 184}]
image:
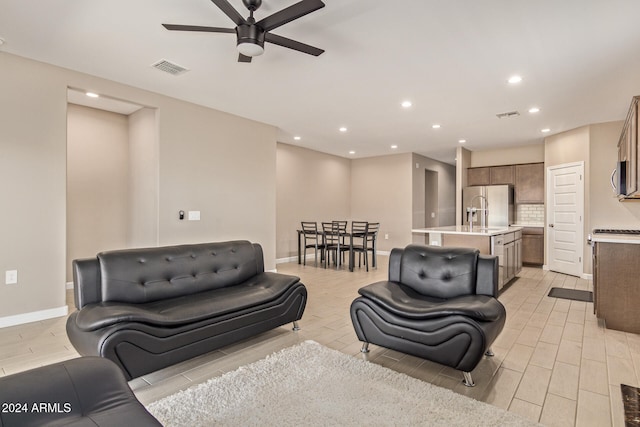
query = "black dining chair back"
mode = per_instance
[
  {"x": 336, "y": 243},
  {"x": 312, "y": 239},
  {"x": 372, "y": 241},
  {"x": 359, "y": 231}
]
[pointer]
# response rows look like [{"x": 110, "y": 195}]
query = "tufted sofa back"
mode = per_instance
[
  {"x": 439, "y": 272},
  {"x": 151, "y": 274}
]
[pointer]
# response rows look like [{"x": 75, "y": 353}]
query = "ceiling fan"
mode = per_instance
[{"x": 251, "y": 35}]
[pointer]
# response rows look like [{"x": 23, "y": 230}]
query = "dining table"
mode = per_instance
[{"x": 342, "y": 237}]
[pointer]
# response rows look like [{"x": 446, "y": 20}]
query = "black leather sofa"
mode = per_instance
[
  {"x": 439, "y": 304},
  {"x": 82, "y": 392},
  {"x": 146, "y": 309}
]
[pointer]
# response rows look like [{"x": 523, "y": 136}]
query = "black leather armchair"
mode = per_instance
[{"x": 439, "y": 304}]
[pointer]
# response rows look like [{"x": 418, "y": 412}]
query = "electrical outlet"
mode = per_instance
[
  {"x": 11, "y": 277},
  {"x": 386, "y": 236}
]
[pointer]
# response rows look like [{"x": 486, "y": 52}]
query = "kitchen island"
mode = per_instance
[
  {"x": 616, "y": 294},
  {"x": 504, "y": 242}
]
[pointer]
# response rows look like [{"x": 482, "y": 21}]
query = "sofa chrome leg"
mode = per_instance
[
  {"x": 296, "y": 327},
  {"x": 489, "y": 353},
  {"x": 365, "y": 347},
  {"x": 468, "y": 381}
]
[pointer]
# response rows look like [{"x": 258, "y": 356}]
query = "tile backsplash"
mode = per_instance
[{"x": 529, "y": 214}]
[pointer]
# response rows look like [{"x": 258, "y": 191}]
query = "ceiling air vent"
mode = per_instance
[
  {"x": 169, "y": 67},
  {"x": 508, "y": 114}
]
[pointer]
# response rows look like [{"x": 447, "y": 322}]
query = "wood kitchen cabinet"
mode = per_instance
[
  {"x": 615, "y": 285},
  {"x": 628, "y": 153},
  {"x": 502, "y": 175},
  {"x": 478, "y": 176},
  {"x": 529, "y": 183},
  {"x": 491, "y": 175},
  {"x": 533, "y": 245}
]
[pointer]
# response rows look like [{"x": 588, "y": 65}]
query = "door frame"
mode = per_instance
[{"x": 581, "y": 209}]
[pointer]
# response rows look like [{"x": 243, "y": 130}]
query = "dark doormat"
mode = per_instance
[
  {"x": 631, "y": 403},
  {"x": 573, "y": 294}
]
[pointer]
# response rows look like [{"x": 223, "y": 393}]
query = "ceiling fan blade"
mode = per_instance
[
  {"x": 229, "y": 10},
  {"x": 243, "y": 58},
  {"x": 176, "y": 27},
  {"x": 290, "y": 13},
  {"x": 292, "y": 44}
]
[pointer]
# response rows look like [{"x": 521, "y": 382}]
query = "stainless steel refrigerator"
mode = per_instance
[{"x": 494, "y": 201}]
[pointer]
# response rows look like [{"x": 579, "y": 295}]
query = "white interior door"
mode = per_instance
[{"x": 565, "y": 213}]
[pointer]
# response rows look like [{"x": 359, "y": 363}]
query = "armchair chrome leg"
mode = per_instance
[
  {"x": 296, "y": 327},
  {"x": 468, "y": 381},
  {"x": 489, "y": 353},
  {"x": 365, "y": 347}
]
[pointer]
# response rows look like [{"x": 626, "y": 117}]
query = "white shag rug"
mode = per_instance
[{"x": 312, "y": 385}]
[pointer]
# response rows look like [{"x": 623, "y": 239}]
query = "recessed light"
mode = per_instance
[
  {"x": 534, "y": 110},
  {"x": 297, "y": 138},
  {"x": 352, "y": 152},
  {"x": 92, "y": 95},
  {"x": 545, "y": 130},
  {"x": 462, "y": 141},
  {"x": 394, "y": 146},
  {"x": 343, "y": 129},
  {"x": 435, "y": 126},
  {"x": 406, "y": 104},
  {"x": 514, "y": 79}
]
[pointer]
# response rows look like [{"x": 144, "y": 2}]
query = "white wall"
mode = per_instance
[
  {"x": 211, "y": 161},
  {"x": 97, "y": 182},
  {"x": 33, "y": 134},
  {"x": 143, "y": 179},
  {"x": 446, "y": 189},
  {"x": 381, "y": 191},
  {"x": 311, "y": 186}
]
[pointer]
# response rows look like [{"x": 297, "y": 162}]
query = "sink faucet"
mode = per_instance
[{"x": 483, "y": 212}]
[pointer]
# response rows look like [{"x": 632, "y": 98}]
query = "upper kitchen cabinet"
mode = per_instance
[
  {"x": 627, "y": 169},
  {"x": 494, "y": 175},
  {"x": 529, "y": 183},
  {"x": 502, "y": 175},
  {"x": 479, "y": 176}
]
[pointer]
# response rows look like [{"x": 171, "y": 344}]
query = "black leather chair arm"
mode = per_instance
[
  {"x": 87, "y": 283},
  {"x": 394, "y": 264},
  {"x": 487, "y": 281},
  {"x": 259, "y": 257}
]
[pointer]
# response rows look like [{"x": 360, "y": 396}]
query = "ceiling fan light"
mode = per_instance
[{"x": 250, "y": 49}]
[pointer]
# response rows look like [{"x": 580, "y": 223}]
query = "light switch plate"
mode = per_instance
[
  {"x": 194, "y": 215},
  {"x": 11, "y": 277}
]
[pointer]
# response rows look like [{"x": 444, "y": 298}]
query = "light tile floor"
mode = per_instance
[{"x": 554, "y": 361}]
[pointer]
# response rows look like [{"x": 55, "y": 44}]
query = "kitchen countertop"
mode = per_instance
[
  {"x": 528, "y": 225},
  {"x": 464, "y": 229},
  {"x": 616, "y": 238}
]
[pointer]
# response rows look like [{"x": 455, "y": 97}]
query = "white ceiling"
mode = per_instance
[{"x": 579, "y": 59}]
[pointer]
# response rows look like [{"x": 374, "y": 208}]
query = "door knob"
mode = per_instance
[{"x": 551, "y": 225}]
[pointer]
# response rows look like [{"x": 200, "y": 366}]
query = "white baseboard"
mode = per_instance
[
  {"x": 311, "y": 256},
  {"x": 587, "y": 276},
  {"x": 34, "y": 316}
]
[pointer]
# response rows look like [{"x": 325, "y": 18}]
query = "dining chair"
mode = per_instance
[
  {"x": 372, "y": 241},
  {"x": 335, "y": 241},
  {"x": 312, "y": 239},
  {"x": 359, "y": 235}
]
